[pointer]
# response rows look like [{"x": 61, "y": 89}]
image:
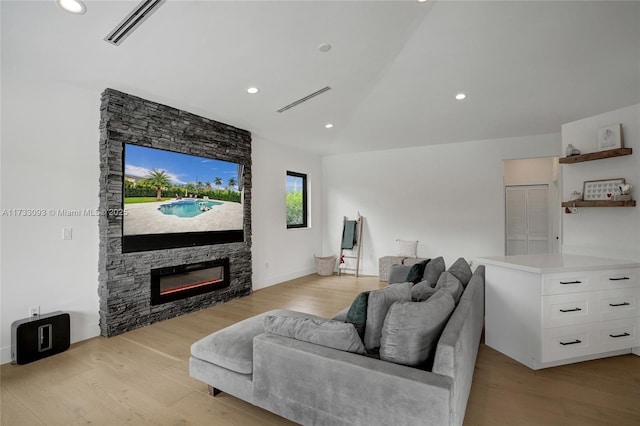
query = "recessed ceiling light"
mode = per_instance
[
  {"x": 324, "y": 47},
  {"x": 422, "y": 1},
  {"x": 460, "y": 96},
  {"x": 328, "y": 126},
  {"x": 73, "y": 6},
  {"x": 253, "y": 90}
]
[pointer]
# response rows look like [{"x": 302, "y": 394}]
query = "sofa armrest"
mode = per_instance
[{"x": 312, "y": 384}]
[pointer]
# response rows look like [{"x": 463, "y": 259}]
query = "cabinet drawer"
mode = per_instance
[
  {"x": 616, "y": 278},
  {"x": 567, "y": 309},
  {"x": 618, "y": 304},
  {"x": 619, "y": 334},
  {"x": 572, "y": 282},
  {"x": 566, "y": 342}
]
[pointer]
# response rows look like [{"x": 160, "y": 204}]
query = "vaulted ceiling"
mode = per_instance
[{"x": 394, "y": 66}]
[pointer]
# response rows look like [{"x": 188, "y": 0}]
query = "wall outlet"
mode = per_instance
[
  {"x": 34, "y": 311},
  {"x": 67, "y": 233}
]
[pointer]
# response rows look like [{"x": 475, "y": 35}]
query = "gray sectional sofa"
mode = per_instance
[{"x": 313, "y": 384}]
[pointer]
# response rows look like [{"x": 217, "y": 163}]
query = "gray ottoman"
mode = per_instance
[{"x": 384, "y": 265}]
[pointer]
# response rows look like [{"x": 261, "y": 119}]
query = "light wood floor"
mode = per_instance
[{"x": 142, "y": 377}]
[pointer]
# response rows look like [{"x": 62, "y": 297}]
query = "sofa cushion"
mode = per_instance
[
  {"x": 449, "y": 282},
  {"x": 232, "y": 347},
  {"x": 411, "y": 330},
  {"x": 422, "y": 291},
  {"x": 433, "y": 270},
  {"x": 377, "y": 307},
  {"x": 416, "y": 271},
  {"x": 462, "y": 271},
  {"x": 357, "y": 314},
  {"x": 332, "y": 334},
  {"x": 406, "y": 248},
  {"x": 342, "y": 314}
]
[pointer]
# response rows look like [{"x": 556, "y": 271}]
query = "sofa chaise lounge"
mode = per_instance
[{"x": 317, "y": 385}]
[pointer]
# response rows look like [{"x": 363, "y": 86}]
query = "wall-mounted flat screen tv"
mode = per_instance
[{"x": 176, "y": 200}]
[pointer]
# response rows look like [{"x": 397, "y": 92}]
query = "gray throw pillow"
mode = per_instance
[
  {"x": 422, "y": 291},
  {"x": 462, "y": 271},
  {"x": 433, "y": 270},
  {"x": 412, "y": 329},
  {"x": 449, "y": 282},
  {"x": 398, "y": 273},
  {"x": 332, "y": 334},
  {"x": 377, "y": 307}
]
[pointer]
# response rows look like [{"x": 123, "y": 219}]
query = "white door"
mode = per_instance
[{"x": 527, "y": 219}]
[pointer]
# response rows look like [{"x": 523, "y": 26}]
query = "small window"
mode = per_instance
[{"x": 296, "y": 200}]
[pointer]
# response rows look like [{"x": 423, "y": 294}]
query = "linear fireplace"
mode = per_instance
[{"x": 179, "y": 282}]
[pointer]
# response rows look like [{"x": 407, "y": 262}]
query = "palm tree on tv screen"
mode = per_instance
[
  {"x": 232, "y": 182},
  {"x": 158, "y": 179}
]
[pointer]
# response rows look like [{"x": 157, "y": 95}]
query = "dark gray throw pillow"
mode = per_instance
[
  {"x": 357, "y": 314},
  {"x": 462, "y": 271},
  {"x": 433, "y": 270},
  {"x": 332, "y": 334},
  {"x": 417, "y": 271},
  {"x": 412, "y": 329}
]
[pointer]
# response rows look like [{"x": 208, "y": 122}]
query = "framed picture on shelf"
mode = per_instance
[
  {"x": 610, "y": 137},
  {"x": 601, "y": 189}
]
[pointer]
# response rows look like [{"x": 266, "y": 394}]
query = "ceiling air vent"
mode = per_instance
[
  {"x": 305, "y": 99},
  {"x": 133, "y": 20}
]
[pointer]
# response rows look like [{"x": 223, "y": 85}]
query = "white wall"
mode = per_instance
[
  {"x": 50, "y": 160},
  {"x": 607, "y": 231},
  {"x": 449, "y": 197},
  {"x": 281, "y": 254}
]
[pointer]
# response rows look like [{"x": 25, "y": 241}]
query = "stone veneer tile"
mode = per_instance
[{"x": 124, "y": 278}]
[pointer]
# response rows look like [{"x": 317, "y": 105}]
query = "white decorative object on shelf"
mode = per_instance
[
  {"x": 572, "y": 150},
  {"x": 610, "y": 137},
  {"x": 602, "y": 189}
]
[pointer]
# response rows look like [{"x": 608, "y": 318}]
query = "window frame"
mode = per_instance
[{"x": 305, "y": 201}]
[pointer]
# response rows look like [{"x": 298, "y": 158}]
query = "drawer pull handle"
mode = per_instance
[
  {"x": 619, "y": 304},
  {"x": 571, "y": 282},
  {"x": 571, "y": 310},
  {"x": 619, "y": 279},
  {"x": 575, "y": 342},
  {"x": 619, "y": 335}
]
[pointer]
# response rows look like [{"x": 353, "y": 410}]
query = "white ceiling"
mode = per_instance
[{"x": 395, "y": 66}]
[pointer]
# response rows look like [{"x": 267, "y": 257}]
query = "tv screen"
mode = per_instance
[{"x": 176, "y": 200}]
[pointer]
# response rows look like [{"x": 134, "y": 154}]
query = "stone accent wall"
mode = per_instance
[{"x": 124, "y": 278}]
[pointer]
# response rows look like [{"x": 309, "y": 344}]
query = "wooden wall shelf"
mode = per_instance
[
  {"x": 619, "y": 152},
  {"x": 599, "y": 203}
]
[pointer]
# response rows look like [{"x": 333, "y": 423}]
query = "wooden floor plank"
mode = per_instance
[{"x": 142, "y": 377}]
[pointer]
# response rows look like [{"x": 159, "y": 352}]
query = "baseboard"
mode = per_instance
[
  {"x": 269, "y": 281},
  {"x": 5, "y": 355}
]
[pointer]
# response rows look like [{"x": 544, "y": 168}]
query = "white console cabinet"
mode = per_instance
[{"x": 548, "y": 310}]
